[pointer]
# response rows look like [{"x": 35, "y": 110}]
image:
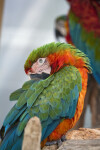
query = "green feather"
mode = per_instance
[
  {"x": 16, "y": 94},
  {"x": 23, "y": 115},
  {"x": 38, "y": 89},
  {"x": 21, "y": 101},
  {"x": 44, "y": 108},
  {"x": 29, "y": 93},
  {"x": 22, "y": 124},
  {"x": 28, "y": 84},
  {"x": 43, "y": 116},
  {"x": 34, "y": 96}
]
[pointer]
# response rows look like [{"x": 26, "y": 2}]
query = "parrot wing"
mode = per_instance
[
  {"x": 87, "y": 42},
  {"x": 52, "y": 100},
  {"x": 15, "y": 95}
]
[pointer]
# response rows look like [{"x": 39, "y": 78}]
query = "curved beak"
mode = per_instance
[
  {"x": 39, "y": 76},
  {"x": 58, "y": 34}
]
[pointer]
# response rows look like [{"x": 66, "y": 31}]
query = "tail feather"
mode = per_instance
[
  {"x": 2, "y": 130},
  {"x": 11, "y": 140}
]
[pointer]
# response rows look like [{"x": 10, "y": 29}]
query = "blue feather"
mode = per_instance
[
  {"x": 50, "y": 129},
  {"x": 10, "y": 140},
  {"x": 18, "y": 144},
  {"x": 77, "y": 40}
]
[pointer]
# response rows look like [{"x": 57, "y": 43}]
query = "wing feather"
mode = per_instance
[
  {"x": 57, "y": 100},
  {"x": 87, "y": 42}
]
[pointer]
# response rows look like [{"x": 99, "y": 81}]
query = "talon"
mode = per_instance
[
  {"x": 51, "y": 143},
  {"x": 59, "y": 143},
  {"x": 63, "y": 138}
]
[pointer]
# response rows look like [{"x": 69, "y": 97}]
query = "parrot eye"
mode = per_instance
[{"x": 41, "y": 60}]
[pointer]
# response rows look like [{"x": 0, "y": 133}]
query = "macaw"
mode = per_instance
[
  {"x": 55, "y": 94},
  {"x": 82, "y": 26}
]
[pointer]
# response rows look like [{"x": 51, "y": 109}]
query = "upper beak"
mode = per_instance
[{"x": 58, "y": 34}]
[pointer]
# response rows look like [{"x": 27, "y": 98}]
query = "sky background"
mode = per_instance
[{"x": 26, "y": 25}]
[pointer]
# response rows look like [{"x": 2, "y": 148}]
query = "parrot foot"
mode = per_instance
[
  {"x": 51, "y": 143},
  {"x": 63, "y": 138},
  {"x": 58, "y": 142}
]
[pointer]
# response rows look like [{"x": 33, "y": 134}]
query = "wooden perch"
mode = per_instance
[
  {"x": 81, "y": 145},
  {"x": 32, "y": 135},
  {"x": 83, "y": 134}
]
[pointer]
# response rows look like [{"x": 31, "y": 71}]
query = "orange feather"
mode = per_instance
[{"x": 67, "y": 124}]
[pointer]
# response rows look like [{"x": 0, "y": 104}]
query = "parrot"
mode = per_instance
[
  {"x": 81, "y": 28},
  {"x": 55, "y": 94}
]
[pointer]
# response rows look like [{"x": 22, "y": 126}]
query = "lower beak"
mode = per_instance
[{"x": 39, "y": 76}]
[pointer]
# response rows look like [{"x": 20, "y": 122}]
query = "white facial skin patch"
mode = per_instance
[{"x": 40, "y": 66}]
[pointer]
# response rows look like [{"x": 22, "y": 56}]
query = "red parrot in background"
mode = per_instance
[{"x": 81, "y": 28}]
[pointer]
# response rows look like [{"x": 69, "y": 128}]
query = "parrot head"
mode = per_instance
[
  {"x": 50, "y": 58},
  {"x": 41, "y": 68},
  {"x": 62, "y": 32}
]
